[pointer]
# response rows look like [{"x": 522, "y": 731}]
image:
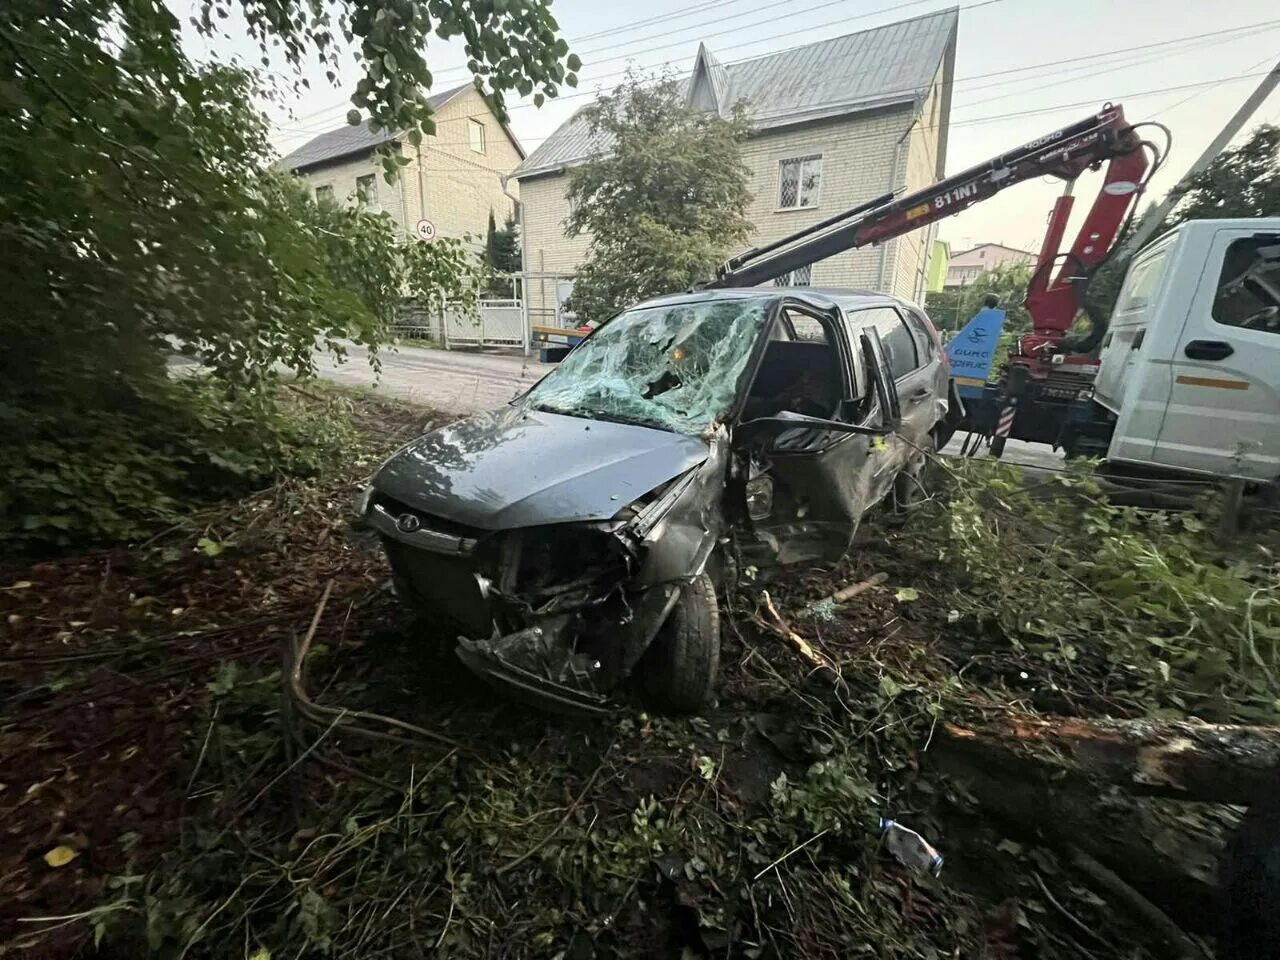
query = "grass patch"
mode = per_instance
[{"x": 145, "y": 728}]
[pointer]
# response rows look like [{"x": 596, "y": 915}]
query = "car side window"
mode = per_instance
[
  {"x": 895, "y": 335},
  {"x": 925, "y": 347},
  {"x": 806, "y": 328}
]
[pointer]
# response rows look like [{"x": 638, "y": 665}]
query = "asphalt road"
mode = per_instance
[
  {"x": 456, "y": 381},
  {"x": 452, "y": 381}
]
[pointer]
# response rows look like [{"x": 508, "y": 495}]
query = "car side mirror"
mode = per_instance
[{"x": 882, "y": 380}]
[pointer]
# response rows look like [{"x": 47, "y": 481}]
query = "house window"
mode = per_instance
[
  {"x": 799, "y": 277},
  {"x": 475, "y": 130},
  {"x": 367, "y": 192},
  {"x": 324, "y": 194},
  {"x": 799, "y": 182}
]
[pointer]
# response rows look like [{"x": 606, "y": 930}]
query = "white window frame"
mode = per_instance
[
  {"x": 324, "y": 192},
  {"x": 799, "y": 277},
  {"x": 367, "y": 195},
  {"x": 476, "y": 135},
  {"x": 804, "y": 161}
]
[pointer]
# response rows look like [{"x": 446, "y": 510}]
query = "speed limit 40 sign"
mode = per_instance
[{"x": 426, "y": 230}]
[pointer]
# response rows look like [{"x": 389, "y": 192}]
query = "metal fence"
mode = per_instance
[
  {"x": 537, "y": 300},
  {"x": 496, "y": 323}
]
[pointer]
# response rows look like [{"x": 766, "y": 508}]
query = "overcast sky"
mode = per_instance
[{"x": 1023, "y": 42}]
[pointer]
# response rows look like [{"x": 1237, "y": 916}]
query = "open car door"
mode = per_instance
[{"x": 811, "y": 478}]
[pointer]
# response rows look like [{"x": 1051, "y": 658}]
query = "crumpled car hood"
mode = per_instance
[{"x": 520, "y": 467}]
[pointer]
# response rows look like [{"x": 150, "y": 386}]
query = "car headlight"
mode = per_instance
[{"x": 759, "y": 498}]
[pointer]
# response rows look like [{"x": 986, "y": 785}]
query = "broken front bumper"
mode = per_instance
[
  {"x": 537, "y": 665},
  {"x": 544, "y": 665},
  {"x": 558, "y": 615}
]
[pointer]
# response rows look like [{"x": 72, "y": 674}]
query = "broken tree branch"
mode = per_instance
[
  {"x": 1163, "y": 925},
  {"x": 783, "y": 629},
  {"x": 1195, "y": 761},
  {"x": 321, "y": 714},
  {"x": 854, "y": 589},
  {"x": 512, "y": 864}
]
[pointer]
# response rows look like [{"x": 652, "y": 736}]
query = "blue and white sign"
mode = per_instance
[{"x": 971, "y": 350}]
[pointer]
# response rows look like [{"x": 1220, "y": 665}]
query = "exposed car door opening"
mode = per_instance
[
  {"x": 801, "y": 370},
  {"x": 801, "y": 376}
]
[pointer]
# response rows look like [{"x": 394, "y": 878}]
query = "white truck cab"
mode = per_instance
[{"x": 1190, "y": 366}]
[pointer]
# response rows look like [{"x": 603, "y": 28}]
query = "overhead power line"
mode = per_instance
[
  {"x": 1093, "y": 57},
  {"x": 1085, "y": 103},
  {"x": 730, "y": 30},
  {"x": 992, "y": 118},
  {"x": 662, "y": 18},
  {"x": 1267, "y": 59},
  {"x": 1266, "y": 24}
]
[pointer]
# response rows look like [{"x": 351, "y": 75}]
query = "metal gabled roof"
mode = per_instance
[
  {"x": 896, "y": 63},
  {"x": 350, "y": 140},
  {"x": 709, "y": 86}
]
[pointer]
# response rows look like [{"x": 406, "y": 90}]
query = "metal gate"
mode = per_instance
[{"x": 495, "y": 323}]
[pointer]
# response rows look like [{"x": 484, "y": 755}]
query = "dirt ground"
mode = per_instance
[{"x": 161, "y": 795}]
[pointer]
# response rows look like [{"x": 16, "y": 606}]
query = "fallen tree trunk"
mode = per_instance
[
  {"x": 1075, "y": 784},
  {"x": 1193, "y": 761}
]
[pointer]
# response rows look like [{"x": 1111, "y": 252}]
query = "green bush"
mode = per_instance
[
  {"x": 140, "y": 217},
  {"x": 115, "y": 472},
  {"x": 1163, "y": 619}
]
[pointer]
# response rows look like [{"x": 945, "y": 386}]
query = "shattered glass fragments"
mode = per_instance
[{"x": 674, "y": 367}]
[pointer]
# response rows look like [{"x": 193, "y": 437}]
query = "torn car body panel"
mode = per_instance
[{"x": 558, "y": 535}]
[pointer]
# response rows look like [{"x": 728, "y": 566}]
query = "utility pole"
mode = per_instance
[{"x": 1155, "y": 216}]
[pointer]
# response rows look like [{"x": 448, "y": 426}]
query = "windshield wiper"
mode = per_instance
[{"x": 606, "y": 417}]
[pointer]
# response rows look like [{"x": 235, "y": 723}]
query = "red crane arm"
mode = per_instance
[{"x": 1064, "y": 154}]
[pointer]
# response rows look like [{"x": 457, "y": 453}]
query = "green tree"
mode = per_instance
[
  {"x": 137, "y": 218},
  {"x": 664, "y": 205},
  {"x": 952, "y": 307},
  {"x": 501, "y": 255},
  {"x": 1242, "y": 182}
]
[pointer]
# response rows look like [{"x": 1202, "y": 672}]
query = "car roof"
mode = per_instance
[{"x": 822, "y": 298}]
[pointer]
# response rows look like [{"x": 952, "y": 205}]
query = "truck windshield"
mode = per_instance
[{"x": 673, "y": 367}]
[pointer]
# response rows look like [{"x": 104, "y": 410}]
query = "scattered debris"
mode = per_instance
[
  {"x": 783, "y": 629},
  {"x": 909, "y": 848},
  {"x": 825, "y": 609}
]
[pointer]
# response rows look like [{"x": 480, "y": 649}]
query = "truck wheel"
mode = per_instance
[{"x": 678, "y": 669}]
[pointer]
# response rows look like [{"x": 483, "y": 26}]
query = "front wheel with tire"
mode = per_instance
[{"x": 680, "y": 666}]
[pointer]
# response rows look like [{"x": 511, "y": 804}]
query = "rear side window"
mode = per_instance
[
  {"x": 925, "y": 347},
  {"x": 1142, "y": 282},
  {"x": 899, "y": 343}
]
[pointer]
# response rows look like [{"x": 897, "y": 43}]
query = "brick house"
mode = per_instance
[
  {"x": 454, "y": 181},
  {"x": 836, "y": 123},
  {"x": 967, "y": 265}
]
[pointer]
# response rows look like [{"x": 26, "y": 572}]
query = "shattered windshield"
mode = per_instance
[{"x": 675, "y": 367}]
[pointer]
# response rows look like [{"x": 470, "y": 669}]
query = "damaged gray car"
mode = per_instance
[{"x": 577, "y": 537}]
